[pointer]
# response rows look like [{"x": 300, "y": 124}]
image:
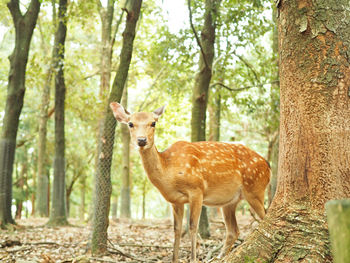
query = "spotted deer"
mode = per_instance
[{"x": 199, "y": 173}]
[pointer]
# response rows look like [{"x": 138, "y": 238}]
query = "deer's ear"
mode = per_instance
[
  {"x": 120, "y": 113},
  {"x": 158, "y": 112}
]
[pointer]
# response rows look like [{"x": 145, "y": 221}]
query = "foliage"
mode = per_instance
[{"x": 162, "y": 72}]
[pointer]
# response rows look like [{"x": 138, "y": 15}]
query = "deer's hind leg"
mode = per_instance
[{"x": 232, "y": 231}]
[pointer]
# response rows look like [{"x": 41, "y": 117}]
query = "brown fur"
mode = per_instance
[{"x": 201, "y": 173}]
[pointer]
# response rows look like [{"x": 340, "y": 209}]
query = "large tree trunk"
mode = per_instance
[
  {"x": 125, "y": 199},
  {"x": 201, "y": 88},
  {"x": 58, "y": 214},
  {"x": 24, "y": 26},
  {"x": 314, "y": 156},
  {"x": 106, "y": 142}
]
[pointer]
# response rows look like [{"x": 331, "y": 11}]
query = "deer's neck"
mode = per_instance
[{"x": 152, "y": 163}]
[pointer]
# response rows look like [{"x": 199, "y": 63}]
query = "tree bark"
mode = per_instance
[
  {"x": 125, "y": 200},
  {"x": 20, "y": 185},
  {"x": 24, "y": 27},
  {"x": 42, "y": 200},
  {"x": 106, "y": 142},
  {"x": 314, "y": 153},
  {"x": 144, "y": 193},
  {"x": 106, "y": 15},
  {"x": 215, "y": 117},
  {"x": 272, "y": 155},
  {"x": 58, "y": 214},
  {"x": 82, "y": 198},
  {"x": 201, "y": 88}
]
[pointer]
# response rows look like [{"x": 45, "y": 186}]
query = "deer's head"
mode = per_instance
[{"x": 141, "y": 124}]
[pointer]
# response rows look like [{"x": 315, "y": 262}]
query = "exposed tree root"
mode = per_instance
[{"x": 287, "y": 234}]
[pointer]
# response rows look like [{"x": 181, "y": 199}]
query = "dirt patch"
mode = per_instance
[{"x": 129, "y": 241}]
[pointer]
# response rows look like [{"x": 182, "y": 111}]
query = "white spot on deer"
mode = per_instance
[{"x": 188, "y": 165}]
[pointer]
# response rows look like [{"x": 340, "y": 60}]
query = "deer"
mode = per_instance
[{"x": 207, "y": 173}]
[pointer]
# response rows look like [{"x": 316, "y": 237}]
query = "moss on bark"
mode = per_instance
[{"x": 287, "y": 234}]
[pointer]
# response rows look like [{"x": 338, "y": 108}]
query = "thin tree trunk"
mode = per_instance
[
  {"x": 42, "y": 203},
  {"x": 314, "y": 153},
  {"x": 125, "y": 201},
  {"x": 214, "y": 133},
  {"x": 106, "y": 142},
  {"x": 201, "y": 88},
  {"x": 272, "y": 156},
  {"x": 58, "y": 214},
  {"x": 24, "y": 26},
  {"x": 106, "y": 16},
  {"x": 338, "y": 218},
  {"x": 42, "y": 189},
  {"x": 20, "y": 186},
  {"x": 215, "y": 118},
  {"x": 114, "y": 209},
  {"x": 144, "y": 199},
  {"x": 82, "y": 198}
]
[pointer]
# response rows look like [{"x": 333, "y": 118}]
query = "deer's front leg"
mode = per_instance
[
  {"x": 196, "y": 207},
  {"x": 178, "y": 211}
]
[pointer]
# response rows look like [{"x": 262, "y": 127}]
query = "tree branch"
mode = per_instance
[
  {"x": 13, "y": 6},
  {"x": 248, "y": 65},
  {"x": 243, "y": 88},
  {"x": 196, "y": 35},
  {"x": 117, "y": 26}
]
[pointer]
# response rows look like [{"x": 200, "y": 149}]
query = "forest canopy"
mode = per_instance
[{"x": 162, "y": 71}]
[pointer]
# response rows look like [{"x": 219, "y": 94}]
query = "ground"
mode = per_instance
[{"x": 129, "y": 241}]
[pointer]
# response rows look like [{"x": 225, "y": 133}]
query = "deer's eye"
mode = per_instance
[
  {"x": 131, "y": 124},
  {"x": 153, "y": 124}
]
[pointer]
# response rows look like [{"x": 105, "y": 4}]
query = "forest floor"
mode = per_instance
[{"x": 129, "y": 241}]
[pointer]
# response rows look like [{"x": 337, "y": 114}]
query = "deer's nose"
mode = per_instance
[{"x": 141, "y": 141}]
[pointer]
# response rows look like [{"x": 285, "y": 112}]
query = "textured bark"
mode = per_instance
[
  {"x": 125, "y": 200},
  {"x": 106, "y": 15},
  {"x": 24, "y": 26},
  {"x": 201, "y": 88},
  {"x": 106, "y": 142},
  {"x": 314, "y": 154},
  {"x": 58, "y": 214}
]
